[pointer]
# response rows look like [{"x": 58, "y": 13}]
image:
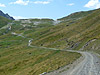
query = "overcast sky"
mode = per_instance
[{"x": 46, "y": 8}]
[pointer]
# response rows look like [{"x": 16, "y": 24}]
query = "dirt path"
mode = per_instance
[{"x": 89, "y": 66}]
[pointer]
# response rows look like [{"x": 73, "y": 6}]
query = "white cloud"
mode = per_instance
[
  {"x": 71, "y": 4},
  {"x": 2, "y": 5},
  {"x": 93, "y": 4},
  {"x": 21, "y": 2},
  {"x": 19, "y": 17},
  {"x": 41, "y": 2}
]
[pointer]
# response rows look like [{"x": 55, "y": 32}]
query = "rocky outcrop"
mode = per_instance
[
  {"x": 6, "y": 15},
  {"x": 87, "y": 43}
]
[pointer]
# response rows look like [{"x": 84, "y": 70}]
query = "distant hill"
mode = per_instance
[
  {"x": 76, "y": 15},
  {"x": 6, "y": 15}
]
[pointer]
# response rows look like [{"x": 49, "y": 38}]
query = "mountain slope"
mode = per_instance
[
  {"x": 76, "y": 16},
  {"x": 74, "y": 36},
  {"x": 6, "y": 15},
  {"x": 31, "y": 44},
  {"x": 17, "y": 57}
]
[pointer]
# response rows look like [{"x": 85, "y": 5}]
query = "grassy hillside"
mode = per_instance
[
  {"x": 78, "y": 31},
  {"x": 27, "y": 26},
  {"x": 16, "y": 58},
  {"x": 4, "y": 21},
  {"x": 73, "y": 36},
  {"x": 76, "y": 16}
]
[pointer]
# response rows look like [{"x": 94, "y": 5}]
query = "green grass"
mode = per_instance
[
  {"x": 76, "y": 16},
  {"x": 16, "y": 58},
  {"x": 31, "y": 61},
  {"x": 93, "y": 46},
  {"x": 19, "y": 59},
  {"x": 4, "y": 21},
  {"x": 80, "y": 32}
]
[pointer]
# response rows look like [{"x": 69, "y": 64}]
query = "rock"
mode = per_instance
[{"x": 6, "y": 15}]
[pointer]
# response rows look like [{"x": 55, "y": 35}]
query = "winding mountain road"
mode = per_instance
[{"x": 90, "y": 65}]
